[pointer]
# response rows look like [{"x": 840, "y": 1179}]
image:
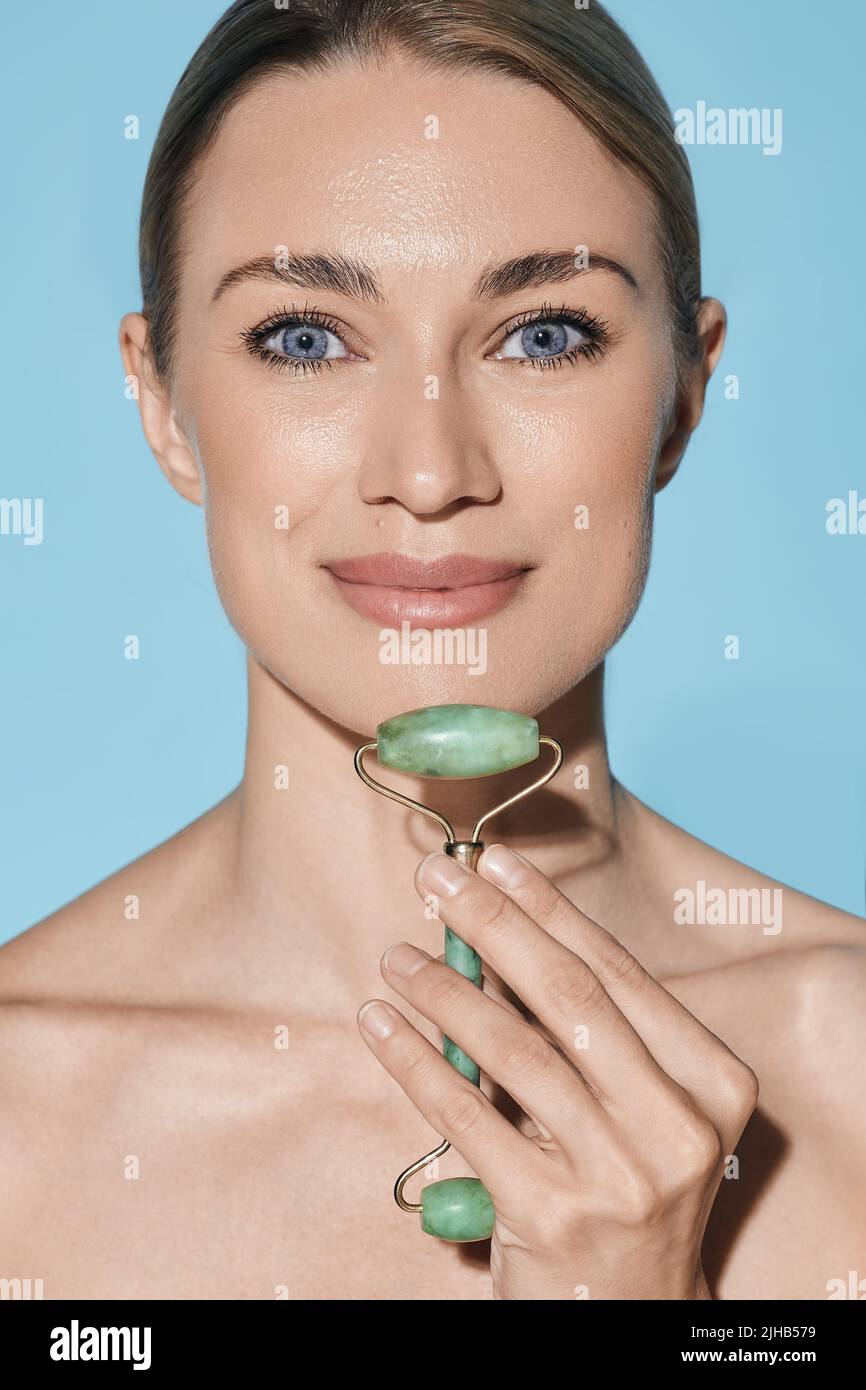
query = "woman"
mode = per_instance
[{"x": 423, "y": 333}]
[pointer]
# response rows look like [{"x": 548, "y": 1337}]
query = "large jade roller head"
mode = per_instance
[
  {"x": 450, "y": 741},
  {"x": 457, "y": 741}
]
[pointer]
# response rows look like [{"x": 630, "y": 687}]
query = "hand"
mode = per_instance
[{"x": 634, "y": 1105}]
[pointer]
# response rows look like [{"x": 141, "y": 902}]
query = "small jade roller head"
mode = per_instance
[{"x": 450, "y": 741}]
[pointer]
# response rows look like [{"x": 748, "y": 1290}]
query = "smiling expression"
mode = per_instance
[{"x": 386, "y": 347}]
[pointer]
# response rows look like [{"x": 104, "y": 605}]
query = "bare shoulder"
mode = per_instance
[
  {"x": 94, "y": 1007},
  {"x": 109, "y": 1040},
  {"x": 91, "y": 1091},
  {"x": 779, "y": 975},
  {"x": 719, "y": 911},
  {"x": 798, "y": 1017},
  {"x": 117, "y": 942}
]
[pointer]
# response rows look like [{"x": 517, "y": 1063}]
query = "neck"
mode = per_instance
[{"x": 320, "y": 866}]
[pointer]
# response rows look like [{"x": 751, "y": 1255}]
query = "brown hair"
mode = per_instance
[{"x": 582, "y": 56}]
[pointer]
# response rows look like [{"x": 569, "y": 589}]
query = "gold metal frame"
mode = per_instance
[{"x": 467, "y": 852}]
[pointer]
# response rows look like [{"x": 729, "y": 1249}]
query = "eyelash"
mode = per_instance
[
  {"x": 595, "y": 330},
  {"x": 255, "y": 339}
]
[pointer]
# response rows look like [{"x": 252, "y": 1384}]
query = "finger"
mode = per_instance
[
  {"x": 490, "y": 987},
  {"x": 718, "y": 1081},
  {"x": 527, "y": 1124},
  {"x": 507, "y": 1048},
  {"x": 556, "y": 984},
  {"x": 495, "y": 989},
  {"x": 503, "y": 1158}
]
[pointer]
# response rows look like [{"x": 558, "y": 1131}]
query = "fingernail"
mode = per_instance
[
  {"x": 442, "y": 874},
  {"x": 375, "y": 1020},
  {"x": 404, "y": 959},
  {"x": 502, "y": 866}
]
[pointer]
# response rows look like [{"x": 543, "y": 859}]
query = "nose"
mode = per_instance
[{"x": 428, "y": 452}]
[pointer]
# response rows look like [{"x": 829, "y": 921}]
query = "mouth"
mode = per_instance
[{"x": 454, "y": 590}]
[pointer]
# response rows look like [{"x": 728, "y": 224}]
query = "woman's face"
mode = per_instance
[{"x": 416, "y": 410}]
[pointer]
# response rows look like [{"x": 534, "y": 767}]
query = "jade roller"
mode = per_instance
[{"x": 455, "y": 741}]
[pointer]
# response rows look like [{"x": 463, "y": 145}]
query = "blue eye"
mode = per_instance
[
  {"x": 543, "y": 338},
  {"x": 554, "y": 337},
  {"x": 307, "y": 342}
]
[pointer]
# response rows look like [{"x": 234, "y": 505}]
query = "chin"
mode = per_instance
[{"x": 358, "y": 693}]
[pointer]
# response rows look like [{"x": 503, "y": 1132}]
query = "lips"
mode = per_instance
[{"x": 452, "y": 590}]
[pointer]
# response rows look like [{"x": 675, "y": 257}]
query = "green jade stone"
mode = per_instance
[
  {"x": 457, "y": 741},
  {"x": 457, "y": 1209},
  {"x": 466, "y": 961}
]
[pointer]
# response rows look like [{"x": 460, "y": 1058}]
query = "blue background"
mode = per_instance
[{"x": 762, "y": 757}]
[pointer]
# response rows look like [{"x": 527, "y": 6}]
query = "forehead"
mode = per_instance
[{"x": 414, "y": 171}]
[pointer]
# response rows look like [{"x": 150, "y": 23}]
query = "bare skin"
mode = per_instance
[
  {"x": 157, "y": 1140},
  {"x": 263, "y": 1169}
]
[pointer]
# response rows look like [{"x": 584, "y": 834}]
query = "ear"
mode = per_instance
[
  {"x": 689, "y": 406},
  {"x": 159, "y": 420}
]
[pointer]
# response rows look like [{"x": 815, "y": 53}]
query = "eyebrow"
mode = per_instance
[
  {"x": 350, "y": 277},
  {"x": 542, "y": 268}
]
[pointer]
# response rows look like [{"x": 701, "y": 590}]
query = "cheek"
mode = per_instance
[
  {"x": 583, "y": 473},
  {"x": 270, "y": 465},
  {"x": 267, "y": 449},
  {"x": 613, "y": 524}
]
